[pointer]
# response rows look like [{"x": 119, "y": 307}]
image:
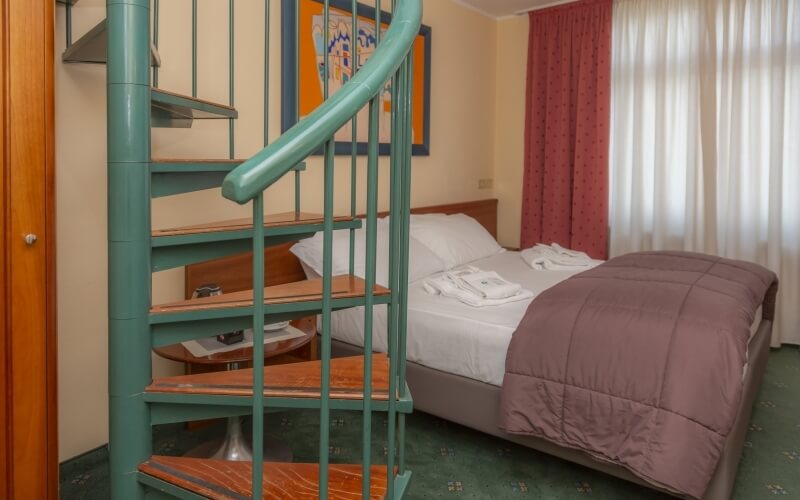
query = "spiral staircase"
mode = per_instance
[{"x": 366, "y": 384}]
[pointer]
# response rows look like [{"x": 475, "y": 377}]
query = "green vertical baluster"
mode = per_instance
[
  {"x": 231, "y": 145},
  {"x": 394, "y": 218},
  {"x": 327, "y": 261},
  {"x": 297, "y": 191},
  {"x": 391, "y": 445},
  {"x": 394, "y": 210},
  {"x": 266, "y": 72},
  {"x": 396, "y": 230},
  {"x": 372, "y": 228},
  {"x": 258, "y": 344},
  {"x": 258, "y": 298},
  {"x": 128, "y": 95},
  {"x": 194, "y": 48},
  {"x": 156, "y": 10},
  {"x": 400, "y": 232},
  {"x": 353, "y": 133},
  {"x": 68, "y": 22},
  {"x": 296, "y": 102},
  {"x": 327, "y": 286},
  {"x": 327, "y": 278},
  {"x": 405, "y": 144}
]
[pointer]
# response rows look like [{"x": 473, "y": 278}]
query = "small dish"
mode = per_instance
[{"x": 276, "y": 326}]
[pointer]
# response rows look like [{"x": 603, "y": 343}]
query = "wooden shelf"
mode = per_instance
[
  {"x": 223, "y": 480},
  {"x": 294, "y": 380},
  {"x": 300, "y": 291}
]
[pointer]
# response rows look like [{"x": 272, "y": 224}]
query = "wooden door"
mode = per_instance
[{"x": 28, "y": 449}]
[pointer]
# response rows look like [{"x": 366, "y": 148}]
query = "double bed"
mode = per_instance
[{"x": 457, "y": 353}]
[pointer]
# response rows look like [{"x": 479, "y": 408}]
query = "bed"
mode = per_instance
[{"x": 457, "y": 354}]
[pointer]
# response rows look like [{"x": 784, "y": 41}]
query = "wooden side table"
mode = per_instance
[
  {"x": 234, "y": 446},
  {"x": 286, "y": 351}
]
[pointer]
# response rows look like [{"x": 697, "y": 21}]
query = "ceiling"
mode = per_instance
[{"x": 503, "y": 8}]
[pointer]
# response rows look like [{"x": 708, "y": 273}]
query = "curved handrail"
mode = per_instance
[{"x": 253, "y": 176}]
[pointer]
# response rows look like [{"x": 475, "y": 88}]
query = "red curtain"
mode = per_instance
[{"x": 565, "y": 189}]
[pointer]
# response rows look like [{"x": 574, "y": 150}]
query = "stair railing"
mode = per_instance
[
  {"x": 264, "y": 168},
  {"x": 130, "y": 58},
  {"x": 389, "y": 62}
]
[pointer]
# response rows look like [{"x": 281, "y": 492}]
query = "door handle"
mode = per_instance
[{"x": 30, "y": 239}]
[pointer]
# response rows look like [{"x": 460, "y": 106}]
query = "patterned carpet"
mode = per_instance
[{"x": 450, "y": 461}]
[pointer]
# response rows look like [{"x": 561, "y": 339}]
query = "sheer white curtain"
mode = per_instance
[{"x": 705, "y": 134}]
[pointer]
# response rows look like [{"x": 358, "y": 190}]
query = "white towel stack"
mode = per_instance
[
  {"x": 557, "y": 258},
  {"x": 475, "y": 287}
]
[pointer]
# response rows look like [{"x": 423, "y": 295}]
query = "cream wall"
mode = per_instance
[
  {"x": 512, "y": 54},
  {"x": 463, "y": 136}
]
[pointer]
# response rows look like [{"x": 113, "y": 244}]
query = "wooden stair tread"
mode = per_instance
[
  {"x": 224, "y": 480},
  {"x": 293, "y": 380},
  {"x": 343, "y": 287},
  {"x": 271, "y": 220}
]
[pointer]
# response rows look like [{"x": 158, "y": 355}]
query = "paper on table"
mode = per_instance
[{"x": 208, "y": 346}]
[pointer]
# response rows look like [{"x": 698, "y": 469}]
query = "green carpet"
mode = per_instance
[{"x": 450, "y": 461}]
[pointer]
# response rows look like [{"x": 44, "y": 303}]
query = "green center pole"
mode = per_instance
[{"x": 128, "y": 95}]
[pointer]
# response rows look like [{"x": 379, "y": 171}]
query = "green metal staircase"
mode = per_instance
[{"x": 366, "y": 384}]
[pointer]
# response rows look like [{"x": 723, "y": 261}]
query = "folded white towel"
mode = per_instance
[
  {"x": 475, "y": 288},
  {"x": 489, "y": 285},
  {"x": 555, "y": 257}
]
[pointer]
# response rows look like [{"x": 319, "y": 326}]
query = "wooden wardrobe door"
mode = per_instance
[{"x": 28, "y": 462}]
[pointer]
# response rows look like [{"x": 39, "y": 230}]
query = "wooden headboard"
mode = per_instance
[{"x": 234, "y": 273}]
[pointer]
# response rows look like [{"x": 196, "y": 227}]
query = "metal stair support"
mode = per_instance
[
  {"x": 91, "y": 47},
  {"x": 177, "y": 176},
  {"x": 171, "y": 110}
]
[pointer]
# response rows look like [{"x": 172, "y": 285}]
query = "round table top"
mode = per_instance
[{"x": 176, "y": 352}]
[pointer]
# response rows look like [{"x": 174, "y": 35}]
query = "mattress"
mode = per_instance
[{"x": 446, "y": 335}]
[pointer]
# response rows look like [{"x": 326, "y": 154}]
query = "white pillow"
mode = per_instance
[
  {"x": 456, "y": 239},
  {"x": 422, "y": 262}
]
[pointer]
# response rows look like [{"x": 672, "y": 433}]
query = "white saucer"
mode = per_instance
[{"x": 276, "y": 326}]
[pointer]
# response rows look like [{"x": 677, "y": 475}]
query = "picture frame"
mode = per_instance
[{"x": 301, "y": 97}]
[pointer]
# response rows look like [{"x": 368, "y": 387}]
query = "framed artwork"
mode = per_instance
[{"x": 346, "y": 52}]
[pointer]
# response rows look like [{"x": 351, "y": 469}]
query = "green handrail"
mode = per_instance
[{"x": 255, "y": 175}]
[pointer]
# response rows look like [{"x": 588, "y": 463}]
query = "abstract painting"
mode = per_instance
[{"x": 303, "y": 39}]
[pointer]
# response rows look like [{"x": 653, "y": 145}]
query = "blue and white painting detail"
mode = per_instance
[{"x": 344, "y": 56}]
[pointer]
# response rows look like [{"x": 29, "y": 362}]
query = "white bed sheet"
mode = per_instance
[
  {"x": 447, "y": 335},
  {"x": 450, "y": 336}
]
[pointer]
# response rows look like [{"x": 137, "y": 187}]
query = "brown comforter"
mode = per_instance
[{"x": 639, "y": 362}]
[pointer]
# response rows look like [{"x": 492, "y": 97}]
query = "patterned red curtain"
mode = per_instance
[{"x": 565, "y": 189}]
